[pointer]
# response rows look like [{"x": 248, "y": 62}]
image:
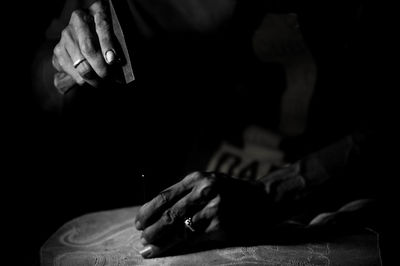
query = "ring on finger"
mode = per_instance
[
  {"x": 78, "y": 62},
  {"x": 189, "y": 224}
]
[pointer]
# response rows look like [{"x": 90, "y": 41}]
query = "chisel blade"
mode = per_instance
[{"x": 119, "y": 34}]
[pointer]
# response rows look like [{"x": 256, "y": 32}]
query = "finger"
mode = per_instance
[
  {"x": 55, "y": 64},
  {"x": 83, "y": 27},
  {"x": 176, "y": 244},
  {"x": 63, "y": 82},
  {"x": 206, "y": 222},
  {"x": 152, "y": 251},
  {"x": 202, "y": 221},
  {"x": 152, "y": 210},
  {"x": 172, "y": 220},
  {"x": 62, "y": 62},
  {"x": 323, "y": 218},
  {"x": 71, "y": 45},
  {"x": 166, "y": 228},
  {"x": 104, "y": 31},
  {"x": 358, "y": 205}
]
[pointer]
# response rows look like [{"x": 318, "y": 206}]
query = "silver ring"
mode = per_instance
[
  {"x": 189, "y": 224},
  {"x": 78, "y": 62}
]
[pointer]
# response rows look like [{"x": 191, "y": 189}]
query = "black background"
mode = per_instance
[
  {"x": 49, "y": 175},
  {"x": 51, "y": 171}
]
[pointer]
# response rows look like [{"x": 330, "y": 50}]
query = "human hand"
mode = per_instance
[
  {"x": 86, "y": 49},
  {"x": 222, "y": 209}
]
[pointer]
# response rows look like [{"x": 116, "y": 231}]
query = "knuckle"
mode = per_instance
[
  {"x": 217, "y": 200},
  {"x": 211, "y": 180},
  {"x": 215, "y": 203},
  {"x": 66, "y": 33},
  {"x": 163, "y": 197},
  {"x": 169, "y": 216},
  {"x": 87, "y": 47},
  {"x": 55, "y": 63},
  {"x": 80, "y": 81},
  {"x": 217, "y": 224},
  {"x": 56, "y": 82},
  {"x": 206, "y": 188},
  {"x": 102, "y": 72},
  {"x": 63, "y": 82},
  {"x": 213, "y": 176},
  {"x": 195, "y": 176},
  {"x": 98, "y": 5},
  {"x": 57, "y": 50},
  {"x": 102, "y": 23},
  {"x": 77, "y": 15}
]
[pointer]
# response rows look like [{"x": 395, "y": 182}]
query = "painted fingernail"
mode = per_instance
[
  {"x": 110, "y": 56},
  {"x": 146, "y": 252}
]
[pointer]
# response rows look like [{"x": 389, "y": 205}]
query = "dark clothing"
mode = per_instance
[{"x": 189, "y": 57}]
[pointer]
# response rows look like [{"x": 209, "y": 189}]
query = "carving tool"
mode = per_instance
[
  {"x": 66, "y": 84},
  {"x": 119, "y": 34}
]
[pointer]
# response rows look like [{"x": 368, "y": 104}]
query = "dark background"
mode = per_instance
[
  {"x": 49, "y": 174},
  {"x": 55, "y": 168},
  {"x": 26, "y": 137}
]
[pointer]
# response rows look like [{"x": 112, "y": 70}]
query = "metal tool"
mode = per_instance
[
  {"x": 125, "y": 73},
  {"x": 119, "y": 34}
]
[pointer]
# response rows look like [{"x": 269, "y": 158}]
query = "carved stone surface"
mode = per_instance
[{"x": 110, "y": 238}]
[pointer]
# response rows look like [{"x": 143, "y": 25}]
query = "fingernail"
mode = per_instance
[
  {"x": 143, "y": 241},
  {"x": 110, "y": 56},
  {"x": 138, "y": 225},
  {"x": 146, "y": 252}
]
